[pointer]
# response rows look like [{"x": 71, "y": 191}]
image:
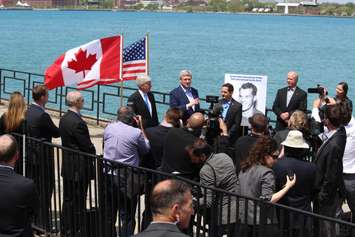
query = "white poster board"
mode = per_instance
[{"x": 250, "y": 91}]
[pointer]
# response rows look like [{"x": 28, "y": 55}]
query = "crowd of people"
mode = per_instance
[{"x": 296, "y": 166}]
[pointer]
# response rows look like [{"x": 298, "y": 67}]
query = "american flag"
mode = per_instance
[{"x": 134, "y": 60}]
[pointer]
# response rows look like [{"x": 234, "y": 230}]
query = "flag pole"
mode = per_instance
[
  {"x": 147, "y": 51},
  {"x": 121, "y": 84}
]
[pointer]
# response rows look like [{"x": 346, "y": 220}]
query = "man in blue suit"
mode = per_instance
[{"x": 184, "y": 96}]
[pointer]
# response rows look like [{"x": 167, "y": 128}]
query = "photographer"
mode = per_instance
[
  {"x": 123, "y": 142},
  {"x": 217, "y": 171},
  {"x": 329, "y": 183}
]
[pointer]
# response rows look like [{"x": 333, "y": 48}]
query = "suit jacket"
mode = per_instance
[
  {"x": 300, "y": 195},
  {"x": 19, "y": 204},
  {"x": 40, "y": 124},
  {"x": 75, "y": 135},
  {"x": 298, "y": 102},
  {"x": 175, "y": 157},
  {"x": 178, "y": 99},
  {"x": 218, "y": 172},
  {"x": 161, "y": 230},
  {"x": 156, "y": 136},
  {"x": 233, "y": 118},
  {"x": 139, "y": 107},
  {"x": 329, "y": 162}
]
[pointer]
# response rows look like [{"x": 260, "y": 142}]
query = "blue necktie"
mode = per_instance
[{"x": 146, "y": 102}]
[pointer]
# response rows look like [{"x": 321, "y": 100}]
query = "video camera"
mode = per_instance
[
  {"x": 318, "y": 90},
  {"x": 213, "y": 114}
]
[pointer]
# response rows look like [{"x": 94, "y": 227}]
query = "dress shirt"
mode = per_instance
[
  {"x": 124, "y": 143},
  {"x": 290, "y": 92},
  {"x": 349, "y": 152},
  {"x": 188, "y": 94},
  {"x": 146, "y": 100},
  {"x": 226, "y": 105}
]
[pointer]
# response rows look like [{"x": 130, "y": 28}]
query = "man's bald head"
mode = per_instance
[
  {"x": 196, "y": 120},
  {"x": 167, "y": 193},
  {"x": 8, "y": 148}
]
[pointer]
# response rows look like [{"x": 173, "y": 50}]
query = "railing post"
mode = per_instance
[
  {"x": 98, "y": 105},
  {"x": 0, "y": 86},
  {"x": 28, "y": 88},
  {"x": 60, "y": 102}
]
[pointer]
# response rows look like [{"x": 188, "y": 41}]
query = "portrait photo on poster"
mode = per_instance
[{"x": 250, "y": 91}]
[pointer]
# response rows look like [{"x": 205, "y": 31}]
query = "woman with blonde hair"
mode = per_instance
[{"x": 13, "y": 120}]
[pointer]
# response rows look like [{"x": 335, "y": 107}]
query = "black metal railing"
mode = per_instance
[
  {"x": 85, "y": 195},
  {"x": 101, "y": 101}
]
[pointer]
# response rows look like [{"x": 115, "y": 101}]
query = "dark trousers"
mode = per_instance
[
  {"x": 74, "y": 207},
  {"x": 116, "y": 199},
  {"x": 325, "y": 228},
  {"x": 42, "y": 173}
]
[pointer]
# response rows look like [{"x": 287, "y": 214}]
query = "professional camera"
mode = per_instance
[
  {"x": 318, "y": 90},
  {"x": 212, "y": 123}
]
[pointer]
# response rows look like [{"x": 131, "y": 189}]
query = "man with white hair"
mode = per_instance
[
  {"x": 184, "y": 96},
  {"x": 143, "y": 103},
  {"x": 77, "y": 170},
  {"x": 289, "y": 99}
]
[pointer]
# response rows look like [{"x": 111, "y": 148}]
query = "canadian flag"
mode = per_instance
[{"x": 97, "y": 62}]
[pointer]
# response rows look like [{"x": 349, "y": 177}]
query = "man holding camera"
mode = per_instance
[
  {"x": 230, "y": 110},
  {"x": 123, "y": 142},
  {"x": 289, "y": 99}
]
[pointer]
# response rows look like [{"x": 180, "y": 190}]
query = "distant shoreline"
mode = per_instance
[{"x": 165, "y": 11}]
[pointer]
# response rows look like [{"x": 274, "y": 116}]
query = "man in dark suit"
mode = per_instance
[
  {"x": 40, "y": 165},
  {"x": 19, "y": 201},
  {"x": 184, "y": 96},
  {"x": 175, "y": 157},
  {"x": 143, "y": 103},
  {"x": 300, "y": 196},
  {"x": 244, "y": 144},
  {"x": 156, "y": 135},
  {"x": 77, "y": 170},
  {"x": 329, "y": 183},
  {"x": 171, "y": 203},
  {"x": 289, "y": 99},
  {"x": 231, "y": 112}
]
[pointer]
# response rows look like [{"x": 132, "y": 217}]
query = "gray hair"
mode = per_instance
[
  {"x": 142, "y": 79},
  {"x": 125, "y": 115},
  {"x": 73, "y": 97},
  {"x": 185, "y": 73}
]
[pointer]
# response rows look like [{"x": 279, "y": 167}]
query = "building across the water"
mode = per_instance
[{"x": 306, "y": 8}]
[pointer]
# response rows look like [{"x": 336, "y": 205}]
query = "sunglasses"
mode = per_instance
[{"x": 275, "y": 156}]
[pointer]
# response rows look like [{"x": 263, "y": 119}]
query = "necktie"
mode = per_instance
[{"x": 146, "y": 102}]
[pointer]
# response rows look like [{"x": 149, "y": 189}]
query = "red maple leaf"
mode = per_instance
[{"x": 81, "y": 62}]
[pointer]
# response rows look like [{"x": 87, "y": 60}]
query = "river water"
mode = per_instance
[{"x": 321, "y": 49}]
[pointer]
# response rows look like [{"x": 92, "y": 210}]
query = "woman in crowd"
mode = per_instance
[
  {"x": 13, "y": 120},
  {"x": 341, "y": 94},
  {"x": 297, "y": 121},
  {"x": 218, "y": 171},
  {"x": 256, "y": 180}
]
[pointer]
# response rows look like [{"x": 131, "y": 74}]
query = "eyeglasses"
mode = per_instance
[{"x": 275, "y": 156}]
